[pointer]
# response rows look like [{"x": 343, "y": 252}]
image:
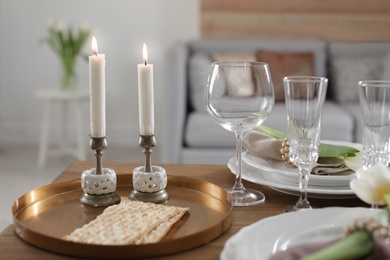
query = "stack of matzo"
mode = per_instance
[{"x": 130, "y": 222}]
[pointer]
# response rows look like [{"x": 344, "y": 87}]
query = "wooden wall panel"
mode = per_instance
[
  {"x": 342, "y": 20},
  {"x": 265, "y": 6}
]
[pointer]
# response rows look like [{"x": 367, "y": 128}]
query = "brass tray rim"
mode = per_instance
[{"x": 162, "y": 248}]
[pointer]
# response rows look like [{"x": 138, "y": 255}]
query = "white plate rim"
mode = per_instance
[{"x": 256, "y": 241}]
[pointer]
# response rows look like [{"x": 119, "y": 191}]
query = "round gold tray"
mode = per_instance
[{"x": 44, "y": 215}]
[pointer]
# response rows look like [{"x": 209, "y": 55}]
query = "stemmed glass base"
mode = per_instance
[
  {"x": 300, "y": 205},
  {"x": 240, "y": 195},
  {"x": 245, "y": 197},
  {"x": 303, "y": 203}
]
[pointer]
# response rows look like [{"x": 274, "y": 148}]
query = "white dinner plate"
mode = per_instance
[
  {"x": 290, "y": 173},
  {"x": 270, "y": 235},
  {"x": 274, "y": 181}
]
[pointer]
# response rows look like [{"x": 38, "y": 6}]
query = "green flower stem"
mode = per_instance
[
  {"x": 355, "y": 246},
  {"x": 387, "y": 199},
  {"x": 69, "y": 74}
]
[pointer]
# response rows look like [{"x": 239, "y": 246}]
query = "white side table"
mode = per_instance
[{"x": 64, "y": 98}]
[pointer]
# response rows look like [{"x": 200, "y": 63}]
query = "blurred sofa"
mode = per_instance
[{"x": 198, "y": 139}]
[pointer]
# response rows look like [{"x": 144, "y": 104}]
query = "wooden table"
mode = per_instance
[{"x": 11, "y": 247}]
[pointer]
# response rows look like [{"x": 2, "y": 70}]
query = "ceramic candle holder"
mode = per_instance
[
  {"x": 149, "y": 182},
  {"x": 99, "y": 184}
]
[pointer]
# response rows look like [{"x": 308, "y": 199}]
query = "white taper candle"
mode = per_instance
[
  {"x": 146, "y": 95},
  {"x": 97, "y": 91}
]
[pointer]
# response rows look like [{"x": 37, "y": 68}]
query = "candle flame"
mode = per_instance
[
  {"x": 145, "y": 54},
  {"x": 94, "y": 45}
]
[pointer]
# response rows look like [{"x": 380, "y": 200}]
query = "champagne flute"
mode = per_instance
[
  {"x": 239, "y": 97},
  {"x": 304, "y": 97}
]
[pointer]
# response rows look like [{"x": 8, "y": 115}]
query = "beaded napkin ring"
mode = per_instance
[
  {"x": 285, "y": 151},
  {"x": 371, "y": 225}
]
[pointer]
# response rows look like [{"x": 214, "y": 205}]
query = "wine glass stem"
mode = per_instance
[
  {"x": 303, "y": 202},
  {"x": 238, "y": 184}
]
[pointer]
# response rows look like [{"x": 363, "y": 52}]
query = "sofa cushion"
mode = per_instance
[
  {"x": 234, "y": 56},
  {"x": 359, "y": 49},
  {"x": 239, "y": 85},
  {"x": 286, "y": 64},
  {"x": 336, "y": 124},
  {"x": 386, "y": 67},
  {"x": 346, "y": 72},
  {"x": 203, "y": 131},
  {"x": 199, "y": 69},
  {"x": 352, "y": 62},
  {"x": 355, "y": 111}
]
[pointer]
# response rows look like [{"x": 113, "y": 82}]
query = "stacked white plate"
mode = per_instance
[{"x": 282, "y": 177}]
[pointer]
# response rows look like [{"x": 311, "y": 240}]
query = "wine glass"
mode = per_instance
[
  {"x": 304, "y": 97},
  {"x": 239, "y": 97}
]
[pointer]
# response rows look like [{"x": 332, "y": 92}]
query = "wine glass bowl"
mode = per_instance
[
  {"x": 304, "y": 96},
  {"x": 239, "y": 97}
]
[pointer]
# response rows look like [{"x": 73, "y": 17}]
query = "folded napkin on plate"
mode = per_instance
[
  {"x": 265, "y": 146},
  {"x": 380, "y": 250}
]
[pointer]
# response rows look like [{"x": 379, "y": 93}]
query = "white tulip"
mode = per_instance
[
  {"x": 354, "y": 163},
  {"x": 370, "y": 185}
]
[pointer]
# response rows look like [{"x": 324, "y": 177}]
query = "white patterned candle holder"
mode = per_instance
[
  {"x": 149, "y": 182},
  {"x": 98, "y": 184}
]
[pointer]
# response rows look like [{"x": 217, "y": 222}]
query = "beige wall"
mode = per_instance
[{"x": 342, "y": 20}]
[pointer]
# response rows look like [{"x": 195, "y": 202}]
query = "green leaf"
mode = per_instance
[
  {"x": 70, "y": 42},
  {"x": 332, "y": 150},
  {"x": 355, "y": 246},
  {"x": 272, "y": 132}
]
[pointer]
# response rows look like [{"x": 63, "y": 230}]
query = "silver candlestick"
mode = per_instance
[
  {"x": 99, "y": 184},
  {"x": 149, "y": 182}
]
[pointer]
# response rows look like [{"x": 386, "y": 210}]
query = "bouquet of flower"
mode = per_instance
[{"x": 67, "y": 45}]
